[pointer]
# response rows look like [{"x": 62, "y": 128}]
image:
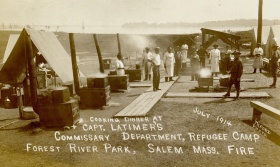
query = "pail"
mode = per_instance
[{"x": 7, "y": 103}]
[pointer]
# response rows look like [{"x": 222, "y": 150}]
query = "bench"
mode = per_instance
[{"x": 259, "y": 108}]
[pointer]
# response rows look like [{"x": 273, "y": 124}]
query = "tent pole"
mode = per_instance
[
  {"x": 119, "y": 48},
  {"x": 31, "y": 72},
  {"x": 119, "y": 44},
  {"x": 259, "y": 37},
  {"x": 74, "y": 63},
  {"x": 99, "y": 54}
]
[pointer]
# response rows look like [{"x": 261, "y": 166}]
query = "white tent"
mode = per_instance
[{"x": 51, "y": 49}]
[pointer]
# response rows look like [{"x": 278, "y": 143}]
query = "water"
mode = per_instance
[{"x": 121, "y": 30}]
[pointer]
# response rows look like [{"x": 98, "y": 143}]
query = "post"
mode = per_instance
[
  {"x": 119, "y": 44},
  {"x": 99, "y": 54},
  {"x": 259, "y": 37},
  {"x": 203, "y": 39},
  {"x": 31, "y": 72},
  {"x": 119, "y": 48},
  {"x": 74, "y": 63},
  {"x": 19, "y": 99}
]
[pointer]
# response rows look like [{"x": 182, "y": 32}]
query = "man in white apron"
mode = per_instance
[
  {"x": 258, "y": 62},
  {"x": 214, "y": 60},
  {"x": 184, "y": 49},
  {"x": 169, "y": 60}
]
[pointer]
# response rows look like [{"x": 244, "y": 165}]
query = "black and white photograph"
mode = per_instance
[{"x": 139, "y": 83}]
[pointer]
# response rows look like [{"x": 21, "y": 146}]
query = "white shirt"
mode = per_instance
[
  {"x": 147, "y": 56},
  {"x": 215, "y": 54},
  {"x": 119, "y": 64},
  {"x": 184, "y": 47},
  {"x": 155, "y": 58},
  {"x": 258, "y": 51}
]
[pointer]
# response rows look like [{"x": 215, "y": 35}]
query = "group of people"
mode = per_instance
[
  {"x": 274, "y": 64},
  {"x": 172, "y": 62},
  {"x": 151, "y": 62},
  {"x": 173, "y": 59}
]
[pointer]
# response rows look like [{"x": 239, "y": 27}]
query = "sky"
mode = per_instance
[{"x": 118, "y": 12}]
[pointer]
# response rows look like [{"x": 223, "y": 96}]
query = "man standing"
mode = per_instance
[
  {"x": 202, "y": 55},
  {"x": 274, "y": 64},
  {"x": 155, "y": 60},
  {"x": 119, "y": 65},
  {"x": 184, "y": 49},
  {"x": 258, "y": 62},
  {"x": 195, "y": 65},
  {"x": 214, "y": 60},
  {"x": 178, "y": 59},
  {"x": 235, "y": 77},
  {"x": 169, "y": 60},
  {"x": 147, "y": 65}
]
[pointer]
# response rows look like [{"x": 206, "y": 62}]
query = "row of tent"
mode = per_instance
[{"x": 270, "y": 36}]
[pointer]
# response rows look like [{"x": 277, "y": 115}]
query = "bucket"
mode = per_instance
[
  {"x": 28, "y": 113},
  {"x": 7, "y": 103}
]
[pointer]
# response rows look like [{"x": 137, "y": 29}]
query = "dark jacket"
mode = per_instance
[
  {"x": 236, "y": 68},
  {"x": 202, "y": 53},
  {"x": 274, "y": 60}
]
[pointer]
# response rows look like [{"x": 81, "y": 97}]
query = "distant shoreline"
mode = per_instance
[{"x": 134, "y": 30}]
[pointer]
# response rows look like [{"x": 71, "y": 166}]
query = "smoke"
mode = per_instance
[
  {"x": 98, "y": 75},
  {"x": 205, "y": 73},
  {"x": 133, "y": 43}
]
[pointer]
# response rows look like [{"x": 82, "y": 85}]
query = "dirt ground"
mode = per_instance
[{"x": 181, "y": 128}]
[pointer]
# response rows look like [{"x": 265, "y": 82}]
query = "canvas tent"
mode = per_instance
[
  {"x": 48, "y": 45},
  {"x": 274, "y": 38},
  {"x": 10, "y": 45}
]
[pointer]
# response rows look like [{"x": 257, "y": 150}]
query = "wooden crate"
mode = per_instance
[
  {"x": 118, "y": 82},
  {"x": 60, "y": 95},
  {"x": 94, "y": 97},
  {"x": 99, "y": 82},
  {"x": 59, "y": 114},
  {"x": 134, "y": 74},
  {"x": 70, "y": 87},
  {"x": 205, "y": 81},
  {"x": 224, "y": 81}
]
